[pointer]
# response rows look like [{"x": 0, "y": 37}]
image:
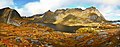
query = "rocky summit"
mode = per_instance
[
  {"x": 9, "y": 15},
  {"x": 74, "y": 16}
]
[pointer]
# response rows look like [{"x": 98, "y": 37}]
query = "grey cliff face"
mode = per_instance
[{"x": 7, "y": 15}]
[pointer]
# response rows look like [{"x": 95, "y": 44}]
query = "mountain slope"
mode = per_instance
[
  {"x": 9, "y": 15},
  {"x": 74, "y": 16}
]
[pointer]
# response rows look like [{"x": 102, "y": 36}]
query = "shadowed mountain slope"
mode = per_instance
[{"x": 9, "y": 15}]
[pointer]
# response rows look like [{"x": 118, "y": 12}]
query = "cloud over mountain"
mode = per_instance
[
  {"x": 106, "y": 7},
  {"x": 6, "y": 3}
]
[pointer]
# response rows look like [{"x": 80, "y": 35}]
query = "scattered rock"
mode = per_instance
[
  {"x": 103, "y": 37},
  {"x": 118, "y": 37},
  {"x": 79, "y": 37},
  {"x": 108, "y": 43},
  {"x": 28, "y": 39},
  {"x": 18, "y": 39},
  {"x": 90, "y": 42},
  {"x": 49, "y": 45},
  {"x": 86, "y": 34},
  {"x": 102, "y": 33},
  {"x": 45, "y": 33},
  {"x": 35, "y": 42}
]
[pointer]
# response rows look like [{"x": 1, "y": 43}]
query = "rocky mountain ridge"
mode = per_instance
[
  {"x": 73, "y": 16},
  {"x": 69, "y": 17}
]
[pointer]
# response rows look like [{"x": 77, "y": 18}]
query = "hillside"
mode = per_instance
[
  {"x": 73, "y": 17},
  {"x": 9, "y": 15}
]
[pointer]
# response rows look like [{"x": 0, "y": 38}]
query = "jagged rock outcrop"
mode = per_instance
[
  {"x": 49, "y": 17},
  {"x": 9, "y": 15},
  {"x": 74, "y": 16}
]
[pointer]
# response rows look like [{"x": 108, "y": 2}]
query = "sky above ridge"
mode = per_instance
[{"x": 109, "y": 8}]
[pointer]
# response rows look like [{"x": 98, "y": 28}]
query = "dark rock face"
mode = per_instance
[{"x": 7, "y": 15}]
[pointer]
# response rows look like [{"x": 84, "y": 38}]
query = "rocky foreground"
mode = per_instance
[{"x": 33, "y": 35}]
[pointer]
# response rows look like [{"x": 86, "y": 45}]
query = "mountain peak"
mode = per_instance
[
  {"x": 7, "y": 8},
  {"x": 72, "y": 16},
  {"x": 7, "y": 15},
  {"x": 92, "y": 7},
  {"x": 49, "y": 11}
]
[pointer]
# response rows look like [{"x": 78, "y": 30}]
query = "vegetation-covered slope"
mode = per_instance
[{"x": 33, "y": 35}]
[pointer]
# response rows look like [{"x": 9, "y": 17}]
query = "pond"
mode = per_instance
[
  {"x": 58, "y": 27},
  {"x": 64, "y": 28}
]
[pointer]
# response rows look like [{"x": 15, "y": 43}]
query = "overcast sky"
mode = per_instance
[{"x": 109, "y": 8}]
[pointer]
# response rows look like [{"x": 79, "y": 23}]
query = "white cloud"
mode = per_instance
[
  {"x": 106, "y": 2},
  {"x": 6, "y": 3},
  {"x": 100, "y": 2},
  {"x": 43, "y": 6},
  {"x": 106, "y": 7},
  {"x": 110, "y": 12},
  {"x": 32, "y": 8},
  {"x": 23, "y": 11}
]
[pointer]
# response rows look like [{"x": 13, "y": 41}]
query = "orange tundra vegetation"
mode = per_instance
[{"x": 34, "y": 35}]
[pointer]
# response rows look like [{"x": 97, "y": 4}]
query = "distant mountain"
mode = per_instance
[
  {"x": 9, "y": 15},
  {"x": 69, "y": 17},
  {"x": 73, "y": 16}
]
